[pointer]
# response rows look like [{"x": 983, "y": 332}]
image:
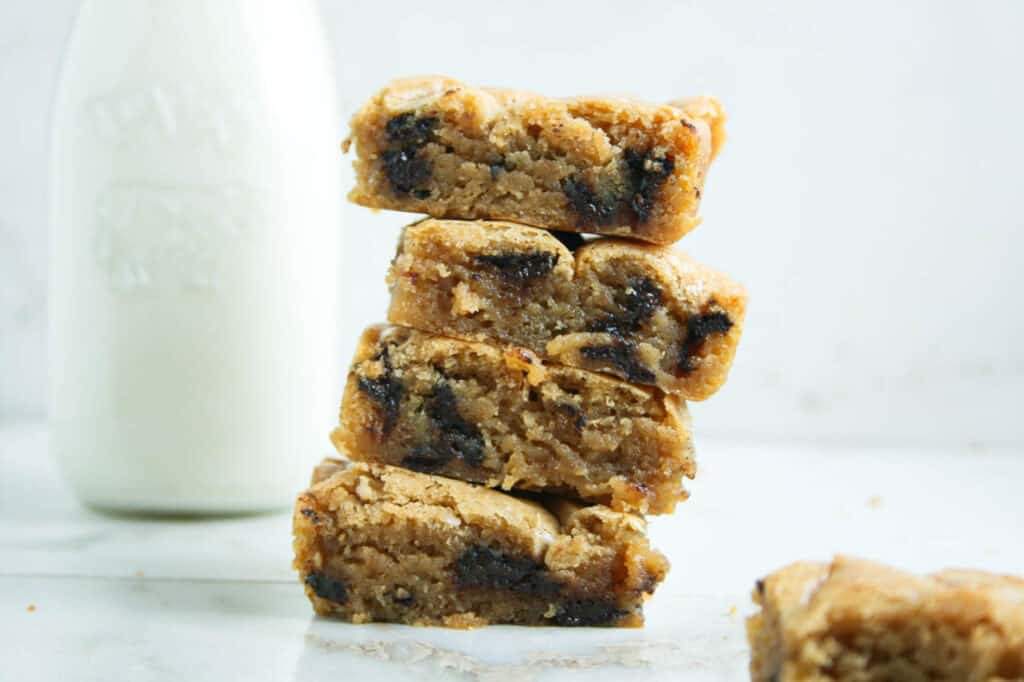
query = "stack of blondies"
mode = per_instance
[{"x": 506, "y": 433}]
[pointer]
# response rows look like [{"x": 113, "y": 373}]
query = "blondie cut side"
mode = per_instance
[
  {"x": 501, "y": 417},
  {"x": 643, "y": 313},
  {"x": 606, "y": 165},
  {"x": 378, "y": 543}
]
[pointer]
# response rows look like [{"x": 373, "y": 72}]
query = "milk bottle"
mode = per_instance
[{"x": 194, "y": 254}]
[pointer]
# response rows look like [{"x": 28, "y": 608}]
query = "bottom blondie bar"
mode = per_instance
[
  {"x": 379, "y": 543},
  {"x": 857, "y": 620}
]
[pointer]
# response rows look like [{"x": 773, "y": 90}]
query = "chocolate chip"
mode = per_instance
[
  {"x": 421, "y": 193},
  {"x": 622, "y": 356},
  {"x": 427, "y": 459},
  {"x": 570, "y": 240},
  {"x": 698, "y": 328},
  {"x": 760, "y": 587},
  {"x": 638, "y": 303},
  {"x": 571, "y": 410},
  {"x": 480, "y": 566},
  {"x": 328, "y": 588},
  {"x": 643, "y": 174},
  {"x": 405, "y": 169},
  {"x": 592, "y": 210},
  {"x": 646, "y": 173},
  {"x": 410, "y": 130},
  {"x": 386, "y": 391},
  {"x": 587, "y": 613},
  {"x": 520, "y": 267},
  {"x": 456, "y": 437},
  {"x": 311, "y": 515}
]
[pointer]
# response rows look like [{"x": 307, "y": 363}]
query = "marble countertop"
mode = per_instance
[{"x": 84, "y": 596}]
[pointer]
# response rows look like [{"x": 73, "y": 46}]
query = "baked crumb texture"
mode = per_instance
[
  {"x": 379, "y": 543},
  {"x": 503, "y": 418},
  {"x": 606, "y": 165},
  {"x": 854, "y": 620},
  {"x": 647, "y": 314}
]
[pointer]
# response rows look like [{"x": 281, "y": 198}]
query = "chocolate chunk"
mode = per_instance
[
  {"x": 698, "y": 328},
  {"x": 760, "y": 587},
  {"x": 622, "y": 356},
  {"x": 421, "y": 193},
  {"x": 520, "y": 267},
  {"x": 592, "y": 209},
  {"x": 311, "y": 514},
  {"x": 386, "y": 391},
  {"x": 638, "y": 303},
  {"x": 587, "y": 613},
  {"x": 405, "y": 169},
  {"x": 646, "y": 173},
  {"x": 570, "y": 240},
  {"x": 409, "y": 130},
  {"x": 403, "y": 166},
  {"x": 481, "y": 566},
  {"x": 457, "y": 437},
  {"x": 643, "y": 174},
  {"x": 427, "y": 459},
  {"x": 327, "y": 588},
  {"x": 571, "y": 410}
]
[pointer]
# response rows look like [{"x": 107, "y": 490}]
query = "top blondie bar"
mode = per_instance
[{"x": 605, "y": 165}]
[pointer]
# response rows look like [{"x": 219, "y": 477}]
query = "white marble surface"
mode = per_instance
[{"x": 85, "y": 596}]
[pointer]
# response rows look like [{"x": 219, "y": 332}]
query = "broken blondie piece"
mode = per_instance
[
  {"x": 379, "y": 543},
  {"x": 644, "y": 313},
  {"x": 607, "y": 165},
  {"x": 501, "y": 417},
  {"x": 857, "y": 620}
]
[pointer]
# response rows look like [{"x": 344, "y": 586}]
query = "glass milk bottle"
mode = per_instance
[{"x": 194, "y": 254}]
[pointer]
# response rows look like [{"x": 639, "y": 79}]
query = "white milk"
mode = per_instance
[{"x": 195, "y": 254}]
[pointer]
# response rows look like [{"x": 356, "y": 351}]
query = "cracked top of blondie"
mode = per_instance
[{"x": 859, "y": 616}]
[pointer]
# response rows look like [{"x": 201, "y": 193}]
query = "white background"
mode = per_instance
[{"x": 870, "y": 196}]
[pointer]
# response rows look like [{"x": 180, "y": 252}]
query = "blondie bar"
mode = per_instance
[
  {"x": 647, "y": 314},
  {"x": 501, "y": 417},
  {"x": 379, "y": 543},
  {"x": 860, "y": 621},
  {"x": 606, "y": 165}
]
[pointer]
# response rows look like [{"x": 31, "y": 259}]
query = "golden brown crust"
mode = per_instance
[
  {"x": 504, "y": 418},
  {"x": 711, "y": 111},
  {"x": 609, "y": 165},
  {"x": 858, "y": 620},
  {"x": 441, "y": 281},
  {"x": 378, "y": 543}
]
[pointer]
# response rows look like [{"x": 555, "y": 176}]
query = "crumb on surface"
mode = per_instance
[
  {"x": 732, "y": 611},
  {"x": 875, "y": 501},
  {"x": 31, "y": 608}
]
